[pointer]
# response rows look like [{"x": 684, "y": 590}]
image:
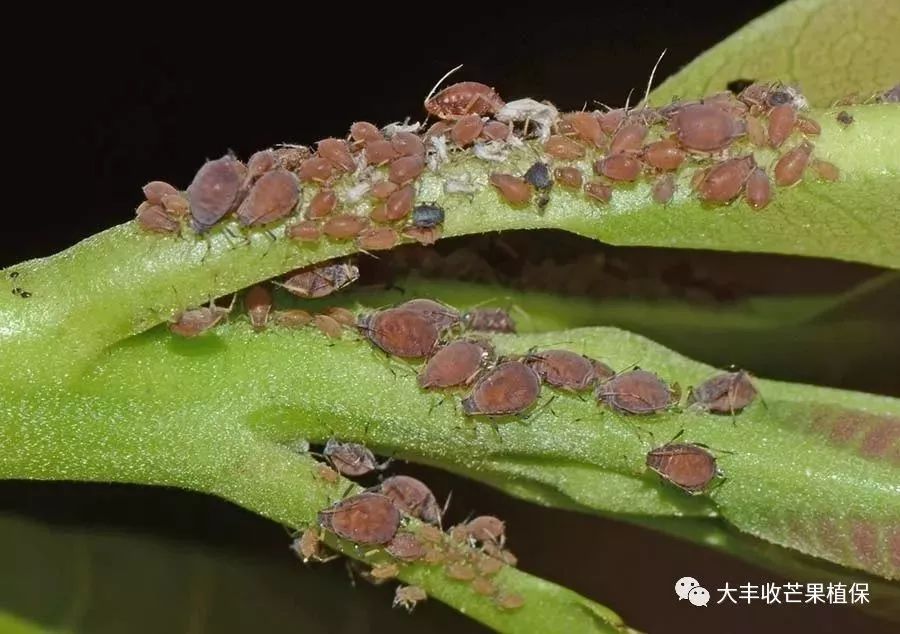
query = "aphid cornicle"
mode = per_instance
[
  {"x": 214, "y": 190},
  {"x": 635, "y": 392},
  {"x": 320, "y": 281},
  {"x": 688, "y": 466},
  {"x": 350, "y": 458},
  {"x": 509, "y": 389},
  {"x": 726, "y": 393},
  {"x": 457, "y": 363},
  {"x": 412, "y": 497},
  {"x": 400, "y": 332},
  {"x": 366, "y": 518}
]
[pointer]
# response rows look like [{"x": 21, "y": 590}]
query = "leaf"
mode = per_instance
[{"x": 829, "y": 48}]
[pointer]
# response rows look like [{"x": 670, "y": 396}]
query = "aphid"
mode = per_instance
[
  {"x": 635, "y": 392},
  {"x": 510, "y": 388},
  {"x": 724, "y": 181},
  {"x": 156, "y": 219},
  {"x": 408, "y": 144},
  {"x": 564, "y": 148},
  {"x": 781, "y": 123},
  {"x": 457, "y": 363},
  {"x": 808, "y": 127},
  {"x": 305, "y": 231},
  {"x": 499, "y": 553},
  {"x": 495, "y": 131},
  {"x": 844, "y": 118},
  {"x": 258, "y": 303},
  {"x": 377, "y": 239},
  {"x": 328, "y": 326},
  {"x": 176, "y": 204},
  {"x": 759, "y": 189},
  {"x": 489, "y": 565},
  {"x": 350, "y": 458},
  {"x": 619, "y": 167},
  {"x": 341, "y": 315},
  {"x": 601, "y": 370},
  {"x": 568, "y": 177},
  {"x": 892, "y": 95},
  {"x": 663, "y": 189},
  {"x": 408, "y": 596},
  {"x": 336, "y": 152},
  {"x": 383, "y": 189},
  {"x": 489, "y": 320},
  {"x": 308, "y": 546},
  {"x": 271, "y": 198},
  {"x": 379, "y": 213},
  {"x": 427, "y": 215},
  {"x": 756, "y": 132},
  {"x": 486, "y": 528},
  {"x": 344, "y": 226},
  {"x": 260, "y": 163},
  {"x": 466, "y": 130},
  {"x": 290, "y": 158},
  {"x": 587, "y": 126},
  {"x": 155, "y": 190},
  {"x": 444, "y": 317},
  {"x": 705, "y": 127},
  {"x": 322, "y": 204},
  {"x": 406, "y": 169},
  {"x": 664, "y": 155},
  {"x": 430, "y": 533},
  {"x": 324, "y": 472},
  {"x": 629, "y": 138},
  {"x": 598, "y": 190},
  {"x": 365, "y": 132},
  {"x": 292, "y": 318},
  {"x": 459, "y": 571},
  {"x": 538, "y": 175},
  {"x": 610, "y": 121},
  {"x": 400, "y": 203},
  {"x": 412, "y": 497},
  {"x": 509, "y": 601},
  {"x": 380, "y": 152},
  {"x": 366, "y": 518},
  {"x": 196, "y": 321},
  {"x": 826, "y": 171},
  {"x": 687, "y": 466},
  {"x": 383, "y": 572},
  {"x": 725, "y": 393},
  {"x": 737, "y": 86},
  {"x": 321, "y": 281},
  {"x": 434, "y": 556},
  {"x": 790, "y": 167},
  {"x": 423, "y": 235},
  {"x": 401, "y": 332},
  {"x": 484, "y": 586},
  {"x": 562, "y": 369},
  {"x": 316, "y": 169},
  {"x": 213, "y": 192},
  {"x": 464, "y": 98},
  {"x": 514, "y": 190},
  {"x": 406, "y": 546}
]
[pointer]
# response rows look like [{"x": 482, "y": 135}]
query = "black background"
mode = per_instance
[{"x": 99, "y": 105}]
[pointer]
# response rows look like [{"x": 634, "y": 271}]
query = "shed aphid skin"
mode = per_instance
[
  {"x": 635, "y": 392},
  {"x": 407, "y": 597},
  {"x": 196, "y": 321},
  {"x": 726, "y": 393},
  {"x": 271, "y": 198},
  {"x": 412, "y": 497},
  {"x": 351, "y": 459},
  {"x": 258, "y": 303},
  {"x": 463, "y": 98},
  {"x": 320, "y": 281},
  {"x": 455, "y": 364},
  {"x": 400, "y": 332},
  {"x": 509, "y": 389},
  {"x": 324, "y": 472},
  {"x": 562, "y": 369},
  {"x": 688, "y": 466},
  {"x": 213, "y": 193},
  {"x": 366, "y": 518},
  {"x": 488, "y": 320}
]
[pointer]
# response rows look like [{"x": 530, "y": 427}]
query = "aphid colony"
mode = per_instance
[{"x": 364, "y": 187}]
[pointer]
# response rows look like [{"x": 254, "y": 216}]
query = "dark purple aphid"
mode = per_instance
[
  {"x": 562, "y": 369},
  {"x": 214, "y": 190},
  {"x": 271, "y": 198},
  {"x": 635, "y": 392},
  {"x": 845, "y": 118},
  {"x": 510, "y": 388},
  {"x": 725, "y": 393},
  {"x": 457, "y": 363},
  {"x": 367, "y": 518},
  {"x": 427, "y": 215},
  {"x": 350, "y": 458},
  {"x": 539, "y": 176},
  {"x": 412, "y": 497},
  {"x": 321, "y": 281},
  {"x": 687, "y": 466},
  {"x": 489, "y": 320},
  {"x": 401, "y": 332}
]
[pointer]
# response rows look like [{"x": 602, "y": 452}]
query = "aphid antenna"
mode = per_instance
[
  {"x": 717, "y": 450},
  {"x": 627, "y": 102},
  {"x": 444, "y": 510},
  {"x": 650, "y": 81}
]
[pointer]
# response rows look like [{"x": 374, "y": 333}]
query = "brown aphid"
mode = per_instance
[
  {"x": 466, "y": 130},
  {"x": 724, "y": 181},
  {"x": 459, "y": 571},
  {"x": 408, "y": 597},
  {"x": 292, "y": 318},
  {"x": 423, "y": 235},
  {"x": 434, "y": 556},
  {"x": 213, "y": 192},
  {"x": 324, "y": 472},
  {"x": 308, "y": 546},
  {"x": 629, "y": 138},
  {"x": 315, "y": 169},
  {"x": 344, "y": 226},
  {"x": 341, "y": 315},
  {"x": 464, "y": 98},
  {"x": 365, "y": 132},
  {"x": 635, "y": 392},
  {"x": 568, "y": 177},
  {"x": 687, "y": 466},
  {"x": 383, "y": 189},
  {"x": 328, "y": 326},
  {"x": 380, "y": 152},
  {"x": 825, "y": 170},
  {"x": 619, "y": 167},
  {"x": 844, "y": 118},
  {"x": 486, "y": 528},
  {"x": 430, "y": 533},
  {"x": 403, "y": 333},
  {"x": 336, "y": 152},
  {"x": 271, "y": 198},
  {"x": 790, "y": 167},
  {"x": 366, "y": 518},
  {"x": 400, "y": 203},
  {"x": 725, "y": 393},
  {"x": 663, "y": 189},
  {"x": 509, "y": 601},
  {"x": 759, "y": 189},
  {"x": 321, "y": 281},
  {"x": 562, "y": 147},
  {"x": 305, "y": 231},
  {"x": 495, "y": 131},
  {"x": 176, "y": 204},
  {"x": 350, "y": 458},
  {"x": 438, "y": 129},
  {"x": 781, "y": 124},
  {"x": 196, "y": 321},
  {"x": 408, "y": 144},
  {"x": 412, "y": 497},
  {"x": 488, "y": 565},
  {"x": 406, "y": 169},
  {"x": 664, "y": 155},
  {"x": 601, "y": 370},
  {"x": 156, "y": 219},
  {"x": 489, "y": 320},
  {"x": 260, "y": 163},
  {"x": 808, "y": 126},
  {"x": 514, "y": 190},
  {"x": 598, "y": 190},
  {"x": 457, "y": 363},
  {"x": 587, "y": 126},
  {"x": 406, "y": 546},
  {"x": 377, "y": 239},
  {"x": 383, "y": 572},
  {"x": 155, "y": 190},
  {"x": 258, "y": 302},
  {"x": 379, "y": 214},
  {"x": 705, "y": 127},
  {"x": 484, "y": 586},
  {"x": 322, "y": 204},
  {"x": 458, "y": 534},
  {"x": 510, "y": 388},
  {"x": 442, "y": 316},
  {"x": 562, "y": 369},
  {"x": 610, "y": 121},
  {"x": 495, "y": 551},
  {"x": 756, "y": 132}
]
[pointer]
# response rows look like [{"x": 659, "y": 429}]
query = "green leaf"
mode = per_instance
[{"x": 829, "y": 48}]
